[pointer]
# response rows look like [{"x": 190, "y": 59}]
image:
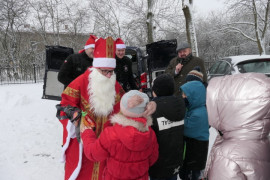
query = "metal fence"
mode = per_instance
[
  {"x": 22, "y": 74},
  {"x": 35, "y": 73}
]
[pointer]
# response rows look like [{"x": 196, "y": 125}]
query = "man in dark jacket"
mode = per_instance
[
  {"x": 76, "y": 64},
  {"x": 168, "y": 124},
  {"x": 123, "y": 70},
  {"x": 181, "y": 65}
]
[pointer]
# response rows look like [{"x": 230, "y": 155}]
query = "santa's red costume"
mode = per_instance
[{"x": 99, "y": 97}]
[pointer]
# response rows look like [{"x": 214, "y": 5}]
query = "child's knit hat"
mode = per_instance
[
  {"x": 133, "y": 103},
  {"x": 163, "y": 85},
  {"x": 195, "y": 75}
]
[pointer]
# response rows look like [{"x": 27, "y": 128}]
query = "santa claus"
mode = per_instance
[{"x": 96, "y": 93}]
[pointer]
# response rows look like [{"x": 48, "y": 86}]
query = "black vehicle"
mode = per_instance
[
  {"x": 147, "y": 63},
  {"x": 159, "y": 55},
  {"x": 55, "y": 57}
]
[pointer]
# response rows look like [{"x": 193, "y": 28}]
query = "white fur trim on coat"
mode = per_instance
[
  {"x": 71, "y": 134},
  {"x": 124, "y": 121}
]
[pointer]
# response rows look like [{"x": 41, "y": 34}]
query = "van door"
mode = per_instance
[
  {"x": 55, "y": 56},
  {"x": 159, "y": 55}
]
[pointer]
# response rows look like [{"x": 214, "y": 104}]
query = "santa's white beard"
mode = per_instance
[{"x": 101, "y": 91}]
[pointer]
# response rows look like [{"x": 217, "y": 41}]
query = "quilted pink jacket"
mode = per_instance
[{"x": 239, "y": 107}]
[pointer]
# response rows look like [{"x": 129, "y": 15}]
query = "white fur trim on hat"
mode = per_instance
[
  {"x": 120, "y": 46},
  {"x": 104, "y": 62},
  {"x": 89, "y": 46}
]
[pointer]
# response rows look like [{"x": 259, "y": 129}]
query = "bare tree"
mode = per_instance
[
  {"x": 13, "y": 15},
  {"x": 50, "y": 18},
  {"x": 60, "y": 22},
  {"x": 149, "y": 21},
  {"x": 250, "y": 18},
  {"x": 153, "y": 22},
  {"x": 214, "y": 44},
  {"x": 77, "y": 21},
  {"x": 106, "y": 18},
  {"x": 187, "y": 6}
]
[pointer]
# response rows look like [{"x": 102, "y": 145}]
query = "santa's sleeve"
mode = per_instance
[
  {"x": 95, "y": 149},
  {"x": 70, "y": 96}
]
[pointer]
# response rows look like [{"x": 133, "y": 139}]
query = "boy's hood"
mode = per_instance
[
  {"x": 239, "y": 105},
  {"x": 195, "y": 92}
]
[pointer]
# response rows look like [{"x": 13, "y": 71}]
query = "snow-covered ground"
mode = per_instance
[{"x": 31, "y": 135}]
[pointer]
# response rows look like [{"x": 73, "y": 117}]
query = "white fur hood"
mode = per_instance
[{"x": 124, "y": 121}]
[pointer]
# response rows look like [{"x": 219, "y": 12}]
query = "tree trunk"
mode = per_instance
[
  {"x": 149, "y": 22},
  {"x": 187, "y": 6}
]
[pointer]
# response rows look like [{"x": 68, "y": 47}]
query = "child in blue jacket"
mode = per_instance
[{"x": 196, "y": 127}]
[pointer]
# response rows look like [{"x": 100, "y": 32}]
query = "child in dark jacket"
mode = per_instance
[
  {"x": 196, "y": 127},
  {"x": 129, "y": 146},
  {"x": 168, "y": 124}
]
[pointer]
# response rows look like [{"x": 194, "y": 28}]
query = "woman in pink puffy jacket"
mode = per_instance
[{"x": 239, "y": 108}]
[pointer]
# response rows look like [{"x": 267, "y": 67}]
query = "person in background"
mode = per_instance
[
  {"x": 181, "y": 65},
  {"x": 196, "y": 127},
  {"x": 129, "y": 146},
  {"x": 76, "y": 64},
  {"x": 123, "y": 70},
  {"x": 168, "y": 124},
  {"x": 239, "y": 107},
  {"x": 97, "y": 94}
]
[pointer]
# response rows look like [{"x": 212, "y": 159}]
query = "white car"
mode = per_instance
[{"x": 240, "y": 64}]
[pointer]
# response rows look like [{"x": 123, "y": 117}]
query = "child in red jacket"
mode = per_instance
[{"x": 129, "y": 146}]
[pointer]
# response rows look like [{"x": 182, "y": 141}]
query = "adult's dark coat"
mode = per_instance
[
  {"x": 168, "y": 124},
  {"x": 124, "y": 74},
  {"x": 73, "y": 66},
  {"x": 188, "y": 65}
]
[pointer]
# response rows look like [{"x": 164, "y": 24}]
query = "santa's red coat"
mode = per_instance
[{"x": 77, "y": 166}]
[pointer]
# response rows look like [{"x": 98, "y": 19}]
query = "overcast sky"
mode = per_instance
[{"x": 206, "y": 6}]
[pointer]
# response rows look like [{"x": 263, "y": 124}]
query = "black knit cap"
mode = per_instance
[
  {"x": 163, "y": 85},
  {"x": 195, "y": 75}
]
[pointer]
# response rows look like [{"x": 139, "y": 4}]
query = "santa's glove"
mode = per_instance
[
  {"x": 73, "y": 113},
  {"x": 87, "y": 123}
]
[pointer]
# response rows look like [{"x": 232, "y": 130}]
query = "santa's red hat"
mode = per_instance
[
  {"x": 104, "y": 54},
  {"x": 80, "y": 51},
  {"x": 90, "y": 43},
  {"x": 120, "y": 44}
]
